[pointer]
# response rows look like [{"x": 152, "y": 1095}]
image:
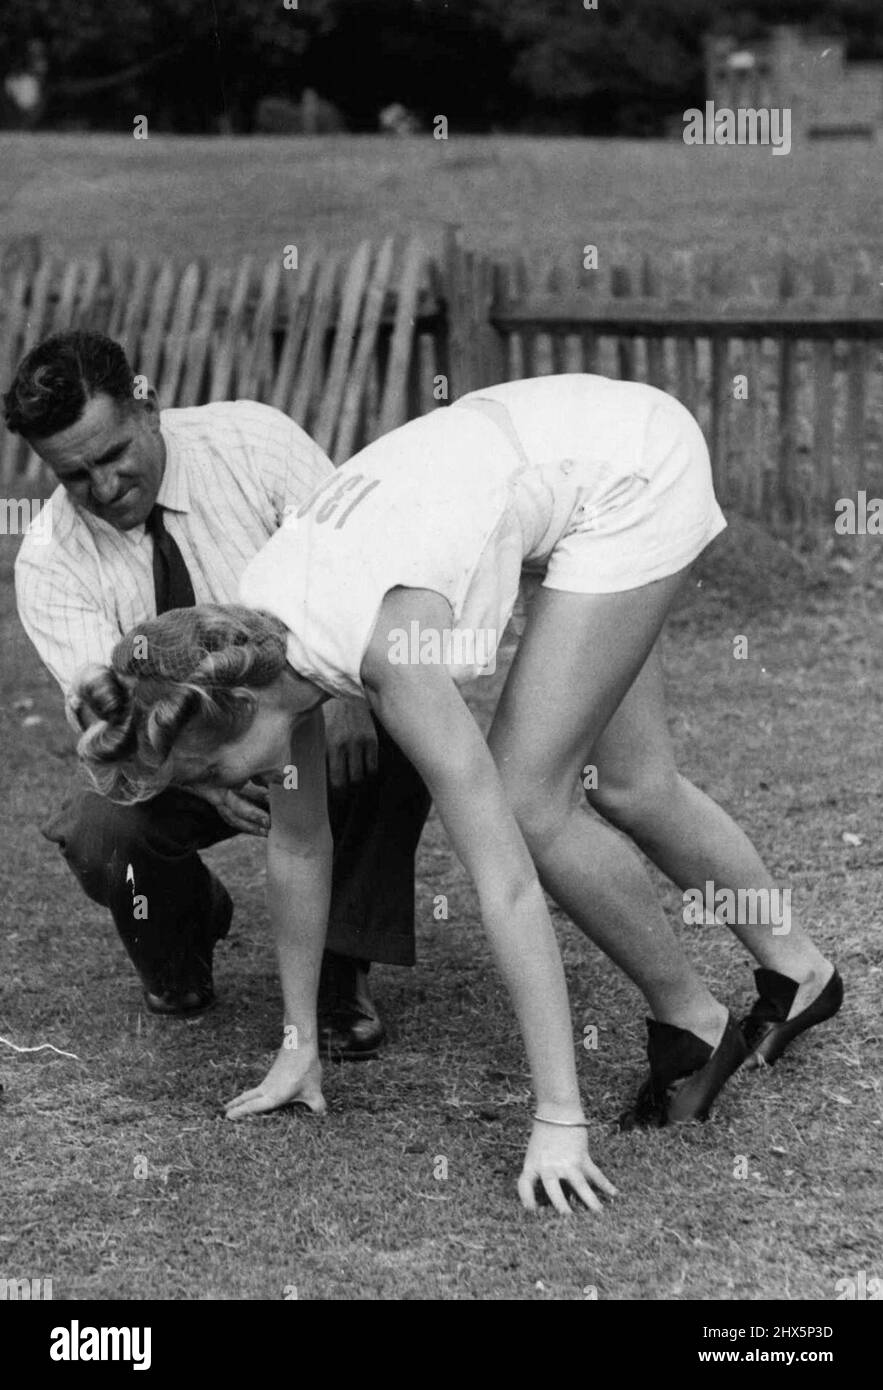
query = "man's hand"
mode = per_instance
[
  {"x": 351, "y": 742},
  {"x": 245, "y": 809}
]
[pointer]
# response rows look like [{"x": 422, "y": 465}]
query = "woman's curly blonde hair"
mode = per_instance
[{"x": 193, "y": 670}]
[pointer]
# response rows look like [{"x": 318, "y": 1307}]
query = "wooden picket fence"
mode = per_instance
[
  {"x": 780, "y": 367},
  {"x": 331, "y": 341}
]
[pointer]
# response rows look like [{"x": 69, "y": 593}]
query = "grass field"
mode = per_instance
[
  {"x": 349, "y": 1206},
  {"x": 223, "y": 197}
]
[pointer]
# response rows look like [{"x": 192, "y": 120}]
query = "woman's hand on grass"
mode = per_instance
[
  {"x": 296, "y": 1075},
  {"x": 557, "y": 1154}
]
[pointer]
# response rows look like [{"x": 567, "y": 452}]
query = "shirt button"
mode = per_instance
[{"x": 567, "y": 466}]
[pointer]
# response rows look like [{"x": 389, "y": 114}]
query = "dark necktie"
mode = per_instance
[{"x": 171, "y": 581}]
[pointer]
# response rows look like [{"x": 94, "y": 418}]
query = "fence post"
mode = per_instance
[
  {"x": 857, "y": 357},
  {"x": 824, "y": 286},
  {"x": 651, "y": 288},
  {"x": 787, "y": 404},
  {"x": 621, "y": 288}
]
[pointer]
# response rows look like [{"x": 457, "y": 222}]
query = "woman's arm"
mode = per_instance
[
  {"x": 423, "y": 711},
  {"x": 298, "y": 891}
]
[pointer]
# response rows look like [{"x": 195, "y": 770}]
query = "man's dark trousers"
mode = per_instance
[{"x": 141, "y": 861}]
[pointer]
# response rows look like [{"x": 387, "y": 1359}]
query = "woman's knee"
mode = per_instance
[
  {"x": 541, "y": 814},
  {"x": 637, "y": 805}
]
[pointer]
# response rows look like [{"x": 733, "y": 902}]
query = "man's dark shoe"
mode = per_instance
[
  {"x": 350, "y": 1028},
  {"x": 186, "y": 986},
  {"x": 676, "y": 1055},
  {"x": 768, "y": 1030}
]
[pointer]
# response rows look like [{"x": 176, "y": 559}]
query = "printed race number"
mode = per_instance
[{"x": 334, "y": 495}]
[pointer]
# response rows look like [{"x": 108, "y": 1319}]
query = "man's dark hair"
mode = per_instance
[{"x": 55, "y": 380}]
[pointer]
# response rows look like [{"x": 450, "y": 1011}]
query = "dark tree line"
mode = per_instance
[{"x": 203, "y": 65}]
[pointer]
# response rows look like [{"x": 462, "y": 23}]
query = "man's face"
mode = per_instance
[{"x": 111, "y": 460}]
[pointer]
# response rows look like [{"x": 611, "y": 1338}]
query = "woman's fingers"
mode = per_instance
[
  {"x": 553, "y": 1187},
  {"x": 594, "y": 1174},
  {"x": 583, "y": 1191},
  {"x": 257, "y": 1101},
  {"x": 526, "y": 1191},
  {"x": 315, "y": 1101},
  {"x": 579, "y": 1181},
  {"x": 244, "y": 815},
  {"x": 245, "y": 1095},
  {"x": 251, "y": 1103}
]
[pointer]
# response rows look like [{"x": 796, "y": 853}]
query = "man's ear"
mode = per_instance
[{"x": 150, "y": 405}]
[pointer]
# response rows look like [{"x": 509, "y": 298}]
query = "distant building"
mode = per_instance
[{"x": 806, "y": 72}]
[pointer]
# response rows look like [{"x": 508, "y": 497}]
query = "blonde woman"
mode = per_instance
[{"x": 384, "y": 587}]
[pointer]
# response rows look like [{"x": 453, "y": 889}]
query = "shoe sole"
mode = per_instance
[{"x": 180, "y": 1013}]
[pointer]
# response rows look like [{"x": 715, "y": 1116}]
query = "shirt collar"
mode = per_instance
[{"x": 174, "y": 490}]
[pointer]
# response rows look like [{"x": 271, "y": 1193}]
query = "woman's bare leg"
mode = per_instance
[
  {"x": 578, "y": 657},
  {"x": 684, "y": 832}
]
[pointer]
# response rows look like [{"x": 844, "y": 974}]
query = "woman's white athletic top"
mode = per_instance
[{"x": 458, "y": 501}]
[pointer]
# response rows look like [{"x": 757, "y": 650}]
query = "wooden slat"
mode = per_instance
[
  {"x": 299, "y": 297},
  {"x": 21, "y": 459},
  {"x": 136, "y": 307},
  {"x": 87, "y": 314},
  {"x": 494, "y": 290},
  {"x": 65, "y": 306},
  {"x": 824, "y": 285},
  {"x": 682, "y": 293},
  {"x": 169, "y": 382},
  {"x": 435, "y": 283},
  {"x": 256, "y": 370},
  {"x": 621, "y": 288},
  {"x": 354, "y": 393},
  {"x": 309, "y": 384},
  {"x": 40, "y": 310},
  {"x": 788, "y": 406},
  {"x": 527, "y": 338},
  {"x": 223, "y": 378},
  {"x": 14, "y": 311},
  {"x": 753, "y": 437},
  {"x": 194, "y": 386},
  {"x": 12, "y": 328},
  {"x": 554, "y": 286},
  {"x": 738, "y": 319},
  {"x": 652, "y": 288},
  {"x": 427, "y": 372},
  {"x": 392, "y": 410},
  {"x": 458, "y": 271},
  {"x": 720, "y": 392},
  {"x": 154, "y": 336},
  {"x": 372, "y": 398},
  {"x": 857, "y": 361},
  {"x": 122, "y": 276},
  {"x": 352, "y": 294}
]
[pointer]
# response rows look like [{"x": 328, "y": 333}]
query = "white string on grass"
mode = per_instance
[{"x": 41, "y": 1048}]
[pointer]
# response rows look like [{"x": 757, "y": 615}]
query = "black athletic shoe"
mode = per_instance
[
  {"x": 768, "y": 1030},
  {"x": 676, "y": 1055},
  {"x": 350, "y": 1028}
]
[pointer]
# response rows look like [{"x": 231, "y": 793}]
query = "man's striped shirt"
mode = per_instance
[{"x": 232, "y": 470}]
